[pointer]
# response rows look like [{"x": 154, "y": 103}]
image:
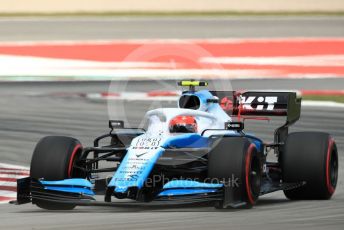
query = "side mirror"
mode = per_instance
[
  {"x": 231, "y": 125},
  {"x": 116, "y": 124}
]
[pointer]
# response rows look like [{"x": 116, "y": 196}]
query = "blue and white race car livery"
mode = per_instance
[{"x": 197, "y": 152}]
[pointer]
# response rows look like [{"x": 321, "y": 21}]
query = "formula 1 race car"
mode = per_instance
[{"x": 197, "y": 152}]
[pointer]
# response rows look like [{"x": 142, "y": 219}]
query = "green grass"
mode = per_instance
[
  {"x": 324, "y": 98},
  {"x": 177, "y": 14}
]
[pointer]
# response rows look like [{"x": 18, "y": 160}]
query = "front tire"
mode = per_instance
[
  {"x": 237, "y": 158},
  {"x": 54, "y": 159},
  {"x": 311, "y": 157}
]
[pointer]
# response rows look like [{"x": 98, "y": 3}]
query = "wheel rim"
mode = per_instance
[
  {"x": 253, "y": 175},
  {"x": 72, "y": 171},
  {"x": 255, "y": 178},
  {"x": 333, "y": 169}
]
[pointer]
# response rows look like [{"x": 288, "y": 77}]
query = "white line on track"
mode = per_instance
[
  {"x": 164, "y": 41},
  {"x": 13, "y": 175},
  {"x": 8, "y": 183},
  {"x": 323, "y": 104},
  {"x": 5, "y": 165},
  {"x": 7, "y": 193}
]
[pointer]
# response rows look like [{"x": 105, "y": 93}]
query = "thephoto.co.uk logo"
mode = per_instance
[{"x": 184, "y": 182}]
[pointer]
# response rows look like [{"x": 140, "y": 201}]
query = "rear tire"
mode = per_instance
[
  {"x": 53, "y": 159},
  {"x": 237, "y": 157},
  {"x": 311, "y": 157}
]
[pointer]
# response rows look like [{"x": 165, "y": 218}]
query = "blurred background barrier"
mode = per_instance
[{"x": 161, "y": 6}]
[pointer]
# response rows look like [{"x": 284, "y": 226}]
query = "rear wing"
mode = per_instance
[{"x": 260, "y": 103}]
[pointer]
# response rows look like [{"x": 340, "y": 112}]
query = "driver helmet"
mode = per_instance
[{"x": 183, "y": 124}]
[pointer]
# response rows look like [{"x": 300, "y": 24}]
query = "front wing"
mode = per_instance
[{"x": 81, "y": 194}]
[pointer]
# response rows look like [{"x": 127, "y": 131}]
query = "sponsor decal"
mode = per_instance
[
  {"x": 141, "y": 154},
  {"x": 147, "y": 142},
  {"x": 262, "y": 102}
]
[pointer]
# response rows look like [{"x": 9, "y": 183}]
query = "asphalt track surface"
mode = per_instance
[
  {"x": 30, "y": 111},
  {"x": 95, "y": 28}
]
